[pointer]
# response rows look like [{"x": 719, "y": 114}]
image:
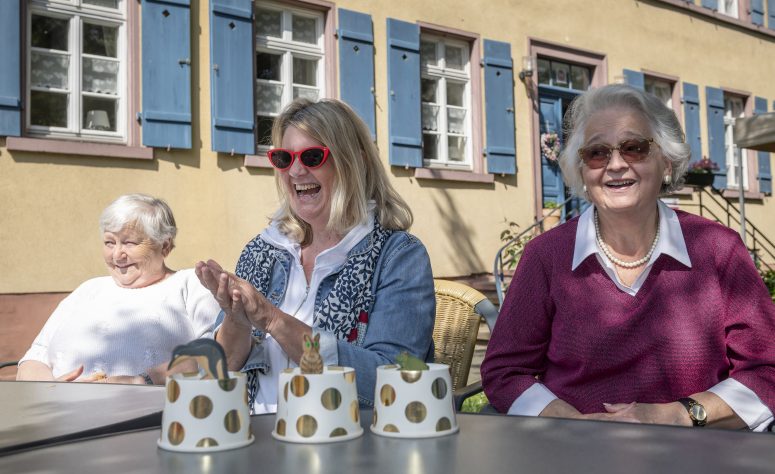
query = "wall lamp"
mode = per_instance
[{"x": 527, "y": 68}]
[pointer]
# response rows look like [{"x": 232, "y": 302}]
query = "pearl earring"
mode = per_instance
[{"x": 667, "y": 180}]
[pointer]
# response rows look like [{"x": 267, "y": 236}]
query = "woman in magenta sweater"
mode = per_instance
[{"x": 633, "y": 311}]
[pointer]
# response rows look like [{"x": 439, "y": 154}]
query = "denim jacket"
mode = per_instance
[{"x": 401, "y": 317}]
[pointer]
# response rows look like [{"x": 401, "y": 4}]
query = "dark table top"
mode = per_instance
[{"x": 485, "y": 444}]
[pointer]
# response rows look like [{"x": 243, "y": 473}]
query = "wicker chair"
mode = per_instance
[{"x": 459, "y": 308}]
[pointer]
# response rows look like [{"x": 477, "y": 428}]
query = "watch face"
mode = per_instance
[{"x": 698, "y": 413}]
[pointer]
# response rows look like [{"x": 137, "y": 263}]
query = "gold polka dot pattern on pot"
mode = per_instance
[
  {"x": 285, "y": 391},
  {"x": 439, "y": 388},
  {"x": 415, "y": 412},
  {"x": 411, "y": 376},
  {"x": 280, "y": 427},
  {"x": 374, "y": 418},
  {"x": 350, "y": 376},
  {"x": 331, "y": 399},
  {"x": 390, "y": 428},
  {"x": 387, "y": 395},
  {"x": 299, "y": 385},
  {"x": 306, "y": 426},
  {"x": 200, "y": 407},
  {"x": 232, "y": 421},
  {"x": 338, "y": 432},
  {"x": 206, "y": 443},
  {"x": 228, "y": 384},
  {"x": 443, "y": 424},
  {"x": 173, "y": 391},
  {"x": 176, "y": 433},
  {"x": 355, "y": 413}
]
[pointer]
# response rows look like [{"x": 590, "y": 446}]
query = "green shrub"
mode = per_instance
[
  {"x": 475, "y": 403},
  {"x": 769, "y": 279}
]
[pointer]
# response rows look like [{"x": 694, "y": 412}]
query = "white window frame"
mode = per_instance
[
  {"x": 443, "y": 74},
  {"x": 288, "y": 49},
  {"x": 650, "y": 82},
  {"x": 77, "y": 12},
  {"x": 730, "y": 149},
  {"x": 729, "y": 8}
]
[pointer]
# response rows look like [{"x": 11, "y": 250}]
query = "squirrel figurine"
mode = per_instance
[{"x": 310, "y": 361}]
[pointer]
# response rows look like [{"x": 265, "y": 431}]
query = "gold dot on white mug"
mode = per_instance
[
  {"x": 228, "y": 384},
  {"x": 390, "y": 428},
  {"x": 387, "y": 395},
  {"x": 411, "y": 376},
  {"x": 415, "y": 412},
  {"x": 281, "y": 427},
  {"x": 306, "y": 425},
  {"x": 176, "y": 433},
  {"x": 299, "y": 385},
  {"x": 355, "y": 413},
  {"x": 200, "y": 407},
  {"x": 173, "y": 391},
  {"x": 232, "y": 421},
  {"x": 206, "y": 443},
  {"x": 439, "y": 388},
  {"x": 338, "y": 432},
  {"x": 331, "y": 399},
  {"x": 443, "y": 424}
]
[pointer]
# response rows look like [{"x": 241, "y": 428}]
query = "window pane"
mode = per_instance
[
  {"x": 560, "y": 73},
  {"x": 268, "y": 66},
  {"x": 99, "y": 114},
  {"x": 580, "y": 77},
  {"x": 661, "y": 89},
  {"x": 455, "y": 93},
  {"x": 454, "y": 57},
  {"x": 543, "y": 72},
  {"x": 430, "y": 117},
  {"x": 430, "y": 147},
  {"x": 269, "y": 97},
  {"x": 428, "y": 53},
  {"x": 102, "y": 3},
  {"x": 100, "y": 40},
  {"x": 304, "y": 30},
  {"x": 456, "y": 120},
  {"x": 49, "y": 33},
  {"x": 100, "y": 75},
  {"x": 264, "y": 129},
  {"x": 429, "y": 87},
  {"x": 48, "y": 109},
  {"x": 457, "y": 148},
  {"x": 311, "y": 94},
  {"x": 305, "y": 71},
  {"x": 269, "y": 23},
  {"x": 49, "y": 70}
]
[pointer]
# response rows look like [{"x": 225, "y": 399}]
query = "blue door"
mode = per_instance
[{"x": 550, "y": 117}]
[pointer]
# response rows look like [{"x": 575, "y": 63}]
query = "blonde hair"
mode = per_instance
[{"x": 359, "y": 176}]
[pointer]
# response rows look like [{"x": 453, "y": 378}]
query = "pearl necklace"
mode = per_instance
[{"x": 617, "y": 261}]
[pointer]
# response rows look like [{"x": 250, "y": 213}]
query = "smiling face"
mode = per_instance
[
  {"x": 133, "y": 259},
  {"x": 621, "y": 186},
  {"x": 309, "y": 190}
]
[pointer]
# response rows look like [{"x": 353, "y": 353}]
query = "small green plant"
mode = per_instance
[
  {"x": 551, "y": 205},
  {"x": 513, "y": 251},
  {"x": 474, "y": 403},
  {"x": 769, "y": 279}
]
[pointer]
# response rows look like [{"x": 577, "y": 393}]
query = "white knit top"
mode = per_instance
[{"x": 124, "y": 331}]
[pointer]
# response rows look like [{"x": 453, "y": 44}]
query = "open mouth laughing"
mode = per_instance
[{"x": 308, "y": 189}]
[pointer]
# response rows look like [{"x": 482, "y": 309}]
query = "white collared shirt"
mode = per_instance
[{"x": 671, "y": 242}]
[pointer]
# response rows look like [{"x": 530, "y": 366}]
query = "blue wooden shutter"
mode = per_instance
[
  {"x": 757, "y": 12},
  {"x": 691, "y": 100},
  {"x": 404, "y": 128},
  {"x": 712, "y": 4},
  {"x": 715, "y": 99},
  {"x": 356, "y": 64},
  {"x": 550, "y": 117},
  {"x": 771, "y": 14},
  {"x": 635, "y": 78},
  {"x": 499, "y": 106},
  {"x": 231, "y": 76},
  {"x": 765, "y": 172},
  {"x": 10, "y": 72},
  {"x": 166, "y": 73}
]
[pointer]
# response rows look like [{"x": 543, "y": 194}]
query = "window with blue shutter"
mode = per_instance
[
  {"x": 691, "y": 100},
  {"x": 231, "y": 76},
  {"x": 499, "y": 107},
  {"x": 404, "y": 125},
  {"x": 715, "y": 111},
  {"x": 635, "y": 78},
  {"x": 765, "y": 172},
  {"x": 757, "y": 12},
  {"x": 356, "y": 64},
  {"x": 166, "y": 109},
  {"x": 550, "y": 118},
  {"x": 771, "y": 14},
  {"x": 10, "y": 74},
  {"x": 712, "y": 4}
]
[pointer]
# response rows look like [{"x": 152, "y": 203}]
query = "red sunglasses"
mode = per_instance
[{"x": 312, "y": 157}]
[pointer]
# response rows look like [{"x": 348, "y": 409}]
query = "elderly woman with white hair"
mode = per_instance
[
  {"x": 336, "y": 259},
  {"x": 633, "y": 311},
  {"x": 122, "y": 328}
]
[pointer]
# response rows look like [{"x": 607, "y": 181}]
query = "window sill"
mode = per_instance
[
  {"x": 257, "y": 161},
  {"x": 453, "y": 175},
  {"x": 761, "y": 29},
  {"x": 67, "y": 147},
  {"x": 735, "y": 194}
]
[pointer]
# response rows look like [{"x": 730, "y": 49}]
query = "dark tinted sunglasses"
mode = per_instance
[
  {"x": 632, "y": 150},
  {"x": 312, "y": 157}
]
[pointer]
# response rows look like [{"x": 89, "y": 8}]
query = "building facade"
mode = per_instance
[{"x": 175, "y": 98}]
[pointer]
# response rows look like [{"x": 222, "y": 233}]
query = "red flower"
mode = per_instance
[{"x": 353, "y": 335}]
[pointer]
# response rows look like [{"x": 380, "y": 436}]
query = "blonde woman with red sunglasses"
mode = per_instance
[
  {"x": 336, "y": 259},
  {"x": 633, "y": 311}
]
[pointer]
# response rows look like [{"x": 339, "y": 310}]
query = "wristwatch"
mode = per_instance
[{"x": 696, "y": 411}]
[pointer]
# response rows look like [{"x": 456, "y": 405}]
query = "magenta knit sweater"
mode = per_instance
[{"x": 684, "y": 331}]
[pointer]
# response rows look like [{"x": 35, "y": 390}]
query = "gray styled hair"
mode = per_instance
[
  {"x": 359, "y": 175},
  {"x": 665, "y": 127},
  {"x": 152, "y": 215}
]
